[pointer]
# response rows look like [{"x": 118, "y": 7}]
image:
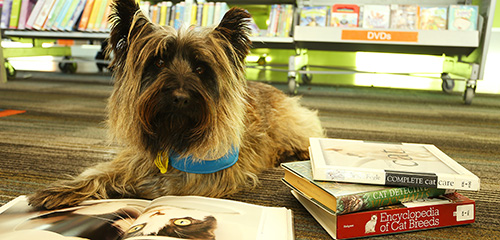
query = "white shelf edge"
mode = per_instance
[
  {"x": 446, "y": 38},
  {"x": 54, "y": 34}
]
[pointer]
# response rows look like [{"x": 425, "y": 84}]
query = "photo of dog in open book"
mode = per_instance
[{"x": 188, "y": 121}]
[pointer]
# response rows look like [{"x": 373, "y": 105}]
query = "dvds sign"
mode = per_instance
[{"x": 379, "y": 36}]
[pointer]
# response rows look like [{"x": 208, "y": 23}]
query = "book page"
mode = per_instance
[
  {"x": 100, "y": 219},
  {"x": 207, "y": 218}
]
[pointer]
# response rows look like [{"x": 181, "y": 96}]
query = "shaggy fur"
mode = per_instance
[{"x": 186, "y": 92}]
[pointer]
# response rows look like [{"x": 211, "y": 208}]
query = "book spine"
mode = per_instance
[
  {"x": 100, "y": 14},
  {"x": 44, "y": 13},
  {"x": 14, "y": 14},
  {"x": 54, "y": 13},
  {"x": 34, "y": 13},
  {"x": 77, "y": 14},
  {"x": 163, "y": 13},
  {"x": 89, "y": 5},
  {"x": 62, "y": 14},
  {"x": 93, "y": 14},
  {"x": 4, "y": 21},
  {"x": 385, "y": 197},
  {"x": 26, "y": 7},
  {"x": 69, "y": 14},
  {"x": 389, "y": 221}
]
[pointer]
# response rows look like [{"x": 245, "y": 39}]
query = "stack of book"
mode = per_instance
[{"x": 358, "y": 188}]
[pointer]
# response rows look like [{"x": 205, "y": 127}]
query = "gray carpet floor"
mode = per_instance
[{"x": 62, "y": 133}]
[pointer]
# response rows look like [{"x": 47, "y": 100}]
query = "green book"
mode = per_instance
[
  {"x": 341, "y": 198},
  {"x": 14, "y": 14}
]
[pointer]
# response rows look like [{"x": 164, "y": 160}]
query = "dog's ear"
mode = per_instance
[
  {"x": 234, "y": 28},
  {"x": 126, "y": 20}
]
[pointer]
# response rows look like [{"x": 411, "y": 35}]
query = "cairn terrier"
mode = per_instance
[{"x": 189, "y": 122}]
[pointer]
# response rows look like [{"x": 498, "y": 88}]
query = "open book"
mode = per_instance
[{"x": 170, "y": 217}]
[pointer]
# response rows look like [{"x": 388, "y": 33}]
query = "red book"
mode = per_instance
[{"x": 449, "y": 210}]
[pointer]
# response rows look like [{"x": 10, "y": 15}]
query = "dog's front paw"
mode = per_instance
[{"x": 54, "y": 198}]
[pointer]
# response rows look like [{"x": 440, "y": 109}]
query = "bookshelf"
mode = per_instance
[{"x": 465, "y": 50}]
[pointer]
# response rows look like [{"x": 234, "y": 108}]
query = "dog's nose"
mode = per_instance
[{"x": 180, "y": 99}]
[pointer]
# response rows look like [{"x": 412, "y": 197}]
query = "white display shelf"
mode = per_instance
[{"x": 446, "y": 38}]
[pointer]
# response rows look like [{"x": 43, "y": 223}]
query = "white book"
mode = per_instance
[{"x": 395, "y": 164}]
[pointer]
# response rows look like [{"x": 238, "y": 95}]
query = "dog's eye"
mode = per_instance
[
  {"x": 160, "y": 63},
  {"x": 199, "y": 70}
]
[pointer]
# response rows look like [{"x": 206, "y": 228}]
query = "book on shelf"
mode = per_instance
[
  {"x": 404, "y": 16},
  {"x": 313, "y": 16},
  {"x": 5, "y": 18},
  {"x": 396, "y": 164},
  {"x": 445, "y": 211},
  {"x": 43, "y": 15},
  {"x": 76, "y": 5},
  {"x": 376, "y": 16},
  {"x": 98, "y": 4},
  {"x": 280, "y": 20},
  {"x": 54, "y": 13},
  {"x": 34, "y": 14},
  {"x": 463, "y": 17},
  {"x": 14, "y": 14},
  {"x": 433, "y": 18},
  {"x": 26, "y": 9},
  {"x": 84, "y": 19},
  {"x": 341, "y": 198},
  {"x": 162, "y": 218},
  {"x": 95, "y": 22},
  {"x": 344, "y": 15},
  {"x": 61, "y": 15}
]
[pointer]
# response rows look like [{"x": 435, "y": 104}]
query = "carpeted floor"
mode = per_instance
[{"x": 61, "y": 133}]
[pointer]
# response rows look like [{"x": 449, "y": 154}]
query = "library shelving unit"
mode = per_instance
[{"x": 464, "y": 51}]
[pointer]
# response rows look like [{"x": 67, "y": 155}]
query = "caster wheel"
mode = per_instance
[
  {"x": 292, "y": 86},
  {"x": 448, "y": 83},
  {"x": 67, "y": 67},
  {"x": 306, "y": 78},
  {"x": 10, "y": 70},
  {"x": 468, "y": 95}
]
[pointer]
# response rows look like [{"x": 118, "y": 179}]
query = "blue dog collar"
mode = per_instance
[{"x": 190, "y": 165}]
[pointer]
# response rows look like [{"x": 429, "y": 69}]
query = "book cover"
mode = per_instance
[
  {"x": 26, "y": 9},
  {"x": 344, "y": 15},
  {"x": 72, "y": 23},
  {"x": 5, "y": 18},
  {"x": 462, "y": 17},
  {"x": 376, "y": 16},
  {"x": 43, "y": 15},
  {"x": 433, "y": 18},
  {"x": 404, "y": 16},
  {"x": 163, "y": 218},
  {"x": 14, "y": 14},
  {"x": 34, "y": 14},
  {"x": 342, "y": 198},
  {"x": 313, "y": 16},
  {"x": 396, "y": 164},
  {"x": 84, "y": 20},
  {"x": 448, "y": 210}
]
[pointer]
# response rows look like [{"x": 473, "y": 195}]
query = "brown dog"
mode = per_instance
[{"x": 181, "y": 101}]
